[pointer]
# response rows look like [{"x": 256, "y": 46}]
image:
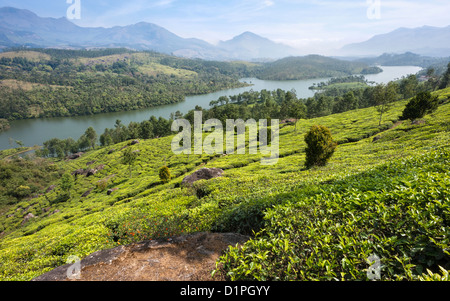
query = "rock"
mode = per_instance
[
  {"x": 50, "y": 188},
  {"x": 288, "y": 121},
  {"x": 110, "y": 191},
  {"x": 111, "y": 151},
  {"x": 75, "y": 156},
  {"x": 189, "y": 257},
  {"x": 28, "y": 217},
  {"x": 202, "y": 174},
  {"x": 91, "y": 172},
  {"x": 99, "y": 257},
  {"x": 79, "y": 172},
  {"x": 418, "y": 121},
  {"x": 134, "y": 142},
  {"x": 100, "y": 167},
  {"x": 54, "y": 212},
  {"x": 87, "y": 193}
]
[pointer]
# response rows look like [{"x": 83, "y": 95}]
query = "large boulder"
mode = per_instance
[
  {"x": 27, "y": 218},
  {"x": 202, "y": 174},
  {"x": 75, "y": 156}
]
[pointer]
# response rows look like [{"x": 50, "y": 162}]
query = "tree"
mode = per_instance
[
  {"x": 423, "y": 103},
  {"x": 297, "y": 110},
  {"x": 384, "y": 96},
  {"x": 164, "y": 174},
  {"x": 91, "y": 136},
  {"x": 408, "y": 86},
  {"x": 129, "y": 158},
  {"x": 320, "y": 146},
  {"x": 106, "y": 138},
  {"x": 146, "y": 130},
  {"x": 445, "y": 80}
]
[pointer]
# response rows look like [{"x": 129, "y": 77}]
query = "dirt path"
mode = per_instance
[{"x": 184, "y": 258}]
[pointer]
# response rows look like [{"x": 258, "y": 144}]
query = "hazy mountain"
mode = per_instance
[
  {"x": 250, "y": 46},
  {"x": 311, "y": 66},
  {"x": 426, "y": 40},
  {"x": 404, "y": 59},
  {"x": 20, "y": 27},
  {"x": 24, "y": 28}
]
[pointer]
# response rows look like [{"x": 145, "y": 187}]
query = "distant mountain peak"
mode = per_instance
[
  {"x": 248, "y": 35},
  {"x": 425, "y": 40},
  {"x": 19, "y": 27}
]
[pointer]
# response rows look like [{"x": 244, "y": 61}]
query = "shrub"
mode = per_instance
[
  {"x": 164, "y": 174},
  {"x": 424, "y": 103},
  {"x": 320, "y": 146},
  {"x": 397, "y": 211}
]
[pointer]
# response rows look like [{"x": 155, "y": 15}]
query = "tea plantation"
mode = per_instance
[{"x": 388, "y": 196}]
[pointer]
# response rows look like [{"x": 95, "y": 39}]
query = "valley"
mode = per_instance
[{"x": 132, "y": 153}]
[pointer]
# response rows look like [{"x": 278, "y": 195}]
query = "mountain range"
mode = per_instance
[
  {"x": 20, "y": 27},
  {"x": 425, "y": 40},
  {"x": 23, "y": 28}
]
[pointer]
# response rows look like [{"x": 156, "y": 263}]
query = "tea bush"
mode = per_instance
[
  {"x": 399, "y": 211},
  {"x": 320, "y": 146},
  {"x": 318, "y": 223}
]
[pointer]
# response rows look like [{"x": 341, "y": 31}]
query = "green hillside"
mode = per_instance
[
  {"x": 59, "y": 83},
  {"x": 312, "y": 66},
  {"x": 389, "y": 196}
]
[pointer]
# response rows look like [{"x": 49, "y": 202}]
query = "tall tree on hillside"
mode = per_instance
[
  {"x": 445, "y": 80},
  {"x": 297, "y": 110},
  {"x": 408, "y": 86},
  {"x": 384, "y": 96},
  {"x": 91, "y": 136}
]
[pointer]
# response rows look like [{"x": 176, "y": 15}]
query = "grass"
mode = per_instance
[
  {"x": 30, "y": 55},
  {"x": 249, "y": 198},
  {"x": 148, "y": 64}
]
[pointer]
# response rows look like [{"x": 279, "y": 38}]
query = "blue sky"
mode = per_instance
[{"x": 316, "y": 26}]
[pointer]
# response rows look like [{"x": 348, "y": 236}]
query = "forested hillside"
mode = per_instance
[
  {"x": 57, "y": 83},
  {"x": 312, "y": 66}
]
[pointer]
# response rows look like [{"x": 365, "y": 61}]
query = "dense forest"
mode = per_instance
[
  {"x": 279, "y": 104},
  {"x": 4, "y": 125},
  {"x": 312, "y": 66},
  {"x": 36, "y": 83},
  {"x": 72, "y": 83}
]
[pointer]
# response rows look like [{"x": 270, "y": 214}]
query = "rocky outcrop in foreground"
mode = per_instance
[{"x": 183, "y": 258}]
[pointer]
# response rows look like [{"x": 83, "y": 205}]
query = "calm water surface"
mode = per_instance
[{"x": 35, "y": 131}]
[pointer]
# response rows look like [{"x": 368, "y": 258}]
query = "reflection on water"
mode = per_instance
[{"x": 35, "y": 131}]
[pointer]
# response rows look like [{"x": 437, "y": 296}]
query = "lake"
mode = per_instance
[{"x": 35, "y": 131}]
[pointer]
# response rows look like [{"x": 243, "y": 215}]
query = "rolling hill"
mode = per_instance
[
  {"x": 311, "y": 66},
  {"x": 426, "y": 40},
  {"x": 249, "y": 46},
  {"x": 387, "y": 196}
]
